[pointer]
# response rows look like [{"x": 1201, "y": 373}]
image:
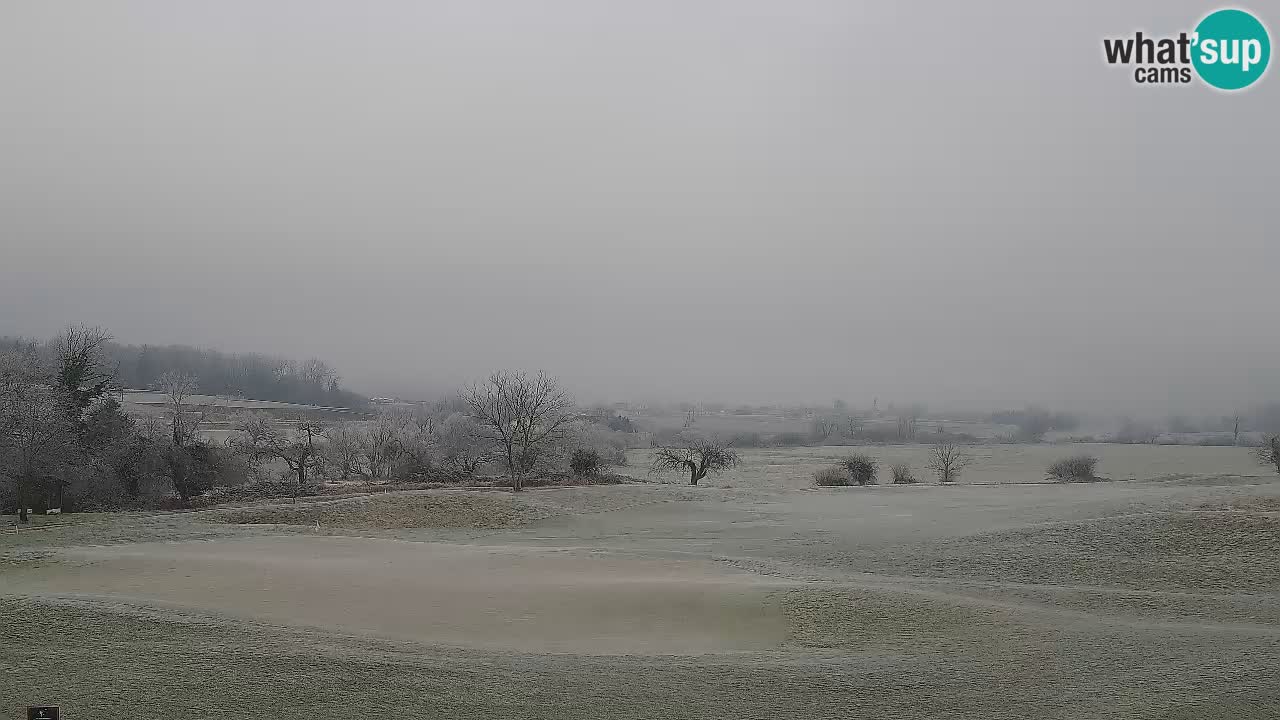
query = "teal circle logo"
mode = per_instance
[{"x": 1232, "y": 49}]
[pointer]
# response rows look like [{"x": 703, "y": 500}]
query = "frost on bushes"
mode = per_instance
[
  {"x": 833, "y": 476},
  {"x": 861, "y": 468},
  {"x": 585, "y": 462},
  {"x": 610, "y": 445},
  {"x": 856, "y": 469},
  {"x": 1074, "y": 469},
  {"x": 902, "y": 474}
]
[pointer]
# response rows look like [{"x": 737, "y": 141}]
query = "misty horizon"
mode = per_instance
[{"x": 659, "y": 202}]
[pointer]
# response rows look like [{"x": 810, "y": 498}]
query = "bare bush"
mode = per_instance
[
  {"x": 861, "y": 468},
  {"x": 259, "y": 437},
  {"x": 1077, "y": 468},
  {"x": 947, "y": 459},
  {"x": 586, "y": 463},
  {"x": 832, "y": 476},
  {"x": 902, "y": 474}
]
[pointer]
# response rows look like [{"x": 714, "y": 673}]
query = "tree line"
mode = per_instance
[
  {"x": 62, "y": 431},
  {"x": 245, "y": 375},
  {"x": 65, "y": 441}
]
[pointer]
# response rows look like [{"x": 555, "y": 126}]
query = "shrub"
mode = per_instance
[
  {"x": 861, "y": 468},
  {"x": 611, "y": 446},
  {"x": 1076, "y": 468},
  {"x": 585, "y": 462},
  {"x": 832, "y": 476},
  {"x": 902, "y": 474}
]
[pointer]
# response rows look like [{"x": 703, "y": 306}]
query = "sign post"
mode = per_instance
[{"x": 43, "y": 712}]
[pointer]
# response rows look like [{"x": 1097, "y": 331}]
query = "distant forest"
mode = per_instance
[{"x": 247, "y": 375}]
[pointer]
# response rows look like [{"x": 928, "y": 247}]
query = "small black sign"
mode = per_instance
[{"x": 44, "y": 712}]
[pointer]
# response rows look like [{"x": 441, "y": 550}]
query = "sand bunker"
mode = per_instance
[{"x": 522, "y": 599}]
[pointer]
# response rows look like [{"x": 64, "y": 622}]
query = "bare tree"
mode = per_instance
[
  {"x": 906, "y": 427},
  {"x": 520, "y": 414},
  {"x": 699, "y": 457},
  {"x": 947, "y": 459},
  {"x": 83, "y": 372},
  {"x": 250, "y": 432},
  {"x": 380, "y": 446},
  {"x": 317, "y": 372},
  {"x": 415, "y": 439},
  {"x": 154, "y": 428},
  {"x": 188, "y": 460},
  {"x": 296, "y": 447},
  {"x": 394, "y": 443},
  {"x": 341, "y": 454},
  {"x": 822, "y": 426},
  {"x": 178, "y": 387},
  {"x": 461, "y": 443},
  {"x": 854, "y": 425},
  {"x": 298, "y": 451},
  {"x": 283, "y": 368}
]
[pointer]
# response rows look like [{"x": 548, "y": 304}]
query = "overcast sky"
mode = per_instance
[{"x": 953, "y": 203}]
